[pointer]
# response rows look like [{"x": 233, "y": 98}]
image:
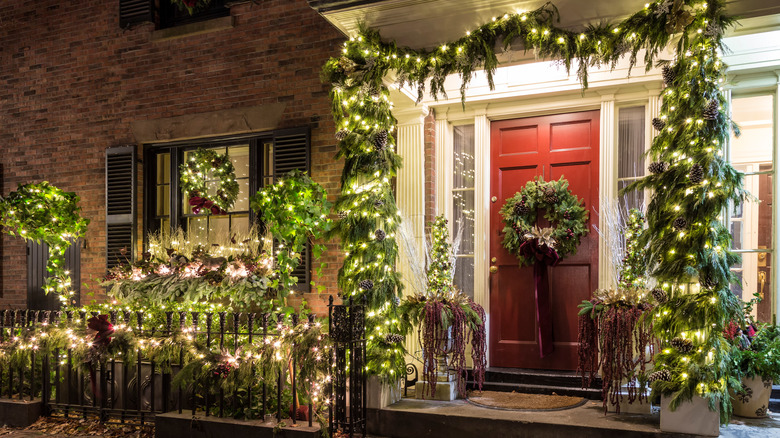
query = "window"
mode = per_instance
[
  {"x": 463, "y": 207},
  {"x": 750, "y": 222},
  {"x": 165, "y": 15},
  {"x": 253, "y": 162},
  {"x": 631, "y": 150},
  {"x": 258, "y": 160},
  {"x": 169, "y": 15}
]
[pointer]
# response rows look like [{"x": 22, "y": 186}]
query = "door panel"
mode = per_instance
[{"x": 551, "y": 146}]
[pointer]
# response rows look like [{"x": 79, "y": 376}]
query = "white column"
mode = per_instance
[
  {"x": 607, "y": 182},
  {"x": 773, "y": 283},
  {"x": 410, "y": 198},
  {"x": 482, "y": 209}
]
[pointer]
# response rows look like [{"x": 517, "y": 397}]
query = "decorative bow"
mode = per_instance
[
  {"x": 544, "y": 236},
  {"x": 199, "y": 204},
  {"x": 102, "y": 328}
]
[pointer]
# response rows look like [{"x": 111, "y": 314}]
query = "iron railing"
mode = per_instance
[{"x": 136, "y": 393}]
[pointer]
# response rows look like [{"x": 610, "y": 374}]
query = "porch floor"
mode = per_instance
[{"x": 459, "y": 419}]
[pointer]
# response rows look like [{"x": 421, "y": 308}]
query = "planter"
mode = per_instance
[
  {"x": 380, "y": 395},
  {"x": 692, "y": 417},
  {"x": 752, "y": 401}
]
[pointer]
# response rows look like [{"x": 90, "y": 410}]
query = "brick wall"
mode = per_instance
[{"x": 72, "y": 83}]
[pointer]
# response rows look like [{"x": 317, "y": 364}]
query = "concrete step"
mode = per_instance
[
  {"x": 589, "y": 393},
  {"x": 459, "y": 419}
]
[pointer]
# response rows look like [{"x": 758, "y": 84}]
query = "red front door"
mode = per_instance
[{"x": 551, "y": 146}]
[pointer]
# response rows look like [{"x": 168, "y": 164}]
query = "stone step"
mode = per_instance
[
  {"x": 588, "y": 393},
  {"x": 459, "y": 419}
]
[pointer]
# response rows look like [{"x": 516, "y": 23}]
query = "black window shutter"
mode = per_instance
[
  {"x": 37, "y": 257},
  {"x": 135, "y": 11},
  {"x": 120, "y": 204},
  {"x": 291, "y": 151}
]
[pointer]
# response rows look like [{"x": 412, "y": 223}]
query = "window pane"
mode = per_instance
[
  {"x": 755, "y": 277},
  {"x": 163, "y": 200},
  {"x": 218, "y": 226},
  {"x": 464, "y": 275},
  {"x": 751, "y": 221},
  {"x": 198, "y": 229},
  {"x": 163, "y": 168},
  {"x": 242, "y": 201},
  {"x": 463, "y": 225},
  {"x": 631, "y": 142},
  {"x": 239, "y": 156},
  {"x": 754, "y": 116},
  {"x": 463, "y": 157},
  {"x": 633, "y": 199}
]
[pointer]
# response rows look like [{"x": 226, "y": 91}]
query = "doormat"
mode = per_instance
[{"x": 518, "y": 401}]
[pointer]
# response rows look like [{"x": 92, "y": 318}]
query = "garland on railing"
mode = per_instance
[
  {"x": 89, "y": 343},
  {"x": 44, "y": 213},
  {"x": 694, "y": 128}
]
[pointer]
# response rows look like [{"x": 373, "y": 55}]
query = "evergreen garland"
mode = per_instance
[{"x": 675, "y": 258}]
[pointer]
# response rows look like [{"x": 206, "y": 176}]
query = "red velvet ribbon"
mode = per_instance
[
  {"x": 544, "y": 256},
  {"x": 199, "y": 204}
]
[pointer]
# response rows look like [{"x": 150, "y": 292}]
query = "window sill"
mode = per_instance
[{"x": 213, "y": 25}]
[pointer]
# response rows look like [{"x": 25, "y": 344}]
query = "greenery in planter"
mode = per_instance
[
  {"x": 191, "y": 6},
  {"x": 762, "y": 359},
  {"x": 232, "y": 268},
  {"x": 615, "y": 327},
  {"x": 692, "y": 183},
  {"x": 44, "y": 213},
  {"x": 446, "y": 319}
]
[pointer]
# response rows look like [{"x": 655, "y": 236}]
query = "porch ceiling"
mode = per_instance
[{"x": 430, "y": 23}]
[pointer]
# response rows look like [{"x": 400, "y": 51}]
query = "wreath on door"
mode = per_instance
[
  {"x": 564, "y": 211},
  {"x": 543, "y": 247}
]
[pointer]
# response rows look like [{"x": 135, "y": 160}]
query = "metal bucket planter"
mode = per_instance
[{"x": 752, "y": 401}]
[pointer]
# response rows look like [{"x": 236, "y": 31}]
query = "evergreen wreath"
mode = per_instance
[
  {"x": 202, "y": 167},
  {"x": 562, "y": 208}
]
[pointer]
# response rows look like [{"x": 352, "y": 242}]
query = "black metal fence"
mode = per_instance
[
  {"x": 114, "y": 392},
  {"x": 348, "y": 391}
]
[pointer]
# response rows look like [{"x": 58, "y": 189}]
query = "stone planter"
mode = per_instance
[
  {"x": 752, "y": 401},
  {"x": 380, "y": 395},
  {"x": 692, "y": 417}
]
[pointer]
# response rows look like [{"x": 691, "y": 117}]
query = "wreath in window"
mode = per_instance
[
  {"x": 204, "y": 168},
  {"x": 567, "y": 217}
]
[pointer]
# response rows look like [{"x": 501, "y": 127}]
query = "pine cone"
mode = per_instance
[
  {"x": 659, "y": 295},
  {"x": 521, "y": 209},
  {"x": 342, "y": 134},
  {"x": 696, "y": 174},
  {"x": 366, "y": 284},
  {"x": 380, "y": 235},
  {"x": 380, "y": 140},
  {"x": 657, "y": 167},
  {"x": 669, "y": 75},
  {"x": 711, "y": 111},
  {"x": 379, "y": 203},
  {"x": 680, "y": 223},
  {"x": 342, "y": 215},
  {"x": 682, "y": 345},
  {"x": 663, "y": 375},
  {"x": 658, "y": 124},
  {"x": 550, "y": 196},
  {"x": 393, "y": 338},
  {"x": 707, "y": 283}
]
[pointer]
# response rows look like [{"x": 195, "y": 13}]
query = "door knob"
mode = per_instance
[
  {"x": 493, "y": 269},
  {"x": 493, "y": 260}
]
